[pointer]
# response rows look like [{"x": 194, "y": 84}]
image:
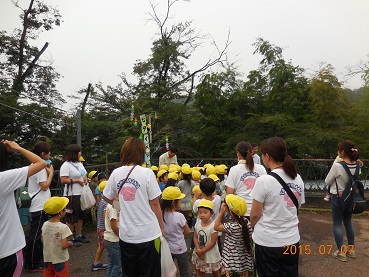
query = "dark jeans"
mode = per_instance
[
  {"x": 140, "y": 259},
  {"x": 182, "y": 261},
  {"x": 34, "y": 248},
  {"x": 338, "y": 217},
  {"x": 272, "y": 262}
]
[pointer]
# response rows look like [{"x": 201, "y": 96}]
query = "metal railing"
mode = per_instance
[{"x": 312, "y": 171}]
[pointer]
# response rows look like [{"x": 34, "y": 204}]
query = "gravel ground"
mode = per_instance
[{"x": 316, "y": 235}]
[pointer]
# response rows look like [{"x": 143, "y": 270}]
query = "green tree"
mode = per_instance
[{"x": 27, "y": 83}]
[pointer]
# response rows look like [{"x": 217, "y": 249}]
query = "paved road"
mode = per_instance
[{"x": 316, "y": 235}]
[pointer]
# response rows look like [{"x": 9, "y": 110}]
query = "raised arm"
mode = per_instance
[{"x": 37, "y": 162}]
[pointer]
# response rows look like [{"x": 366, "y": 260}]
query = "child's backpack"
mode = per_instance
[{"x": 352, "y": 199}]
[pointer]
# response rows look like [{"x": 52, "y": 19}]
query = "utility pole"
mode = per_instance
[{"x": 79, "y": 133}]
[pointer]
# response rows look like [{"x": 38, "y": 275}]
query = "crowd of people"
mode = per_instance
[{"x": 136, "y": 206}]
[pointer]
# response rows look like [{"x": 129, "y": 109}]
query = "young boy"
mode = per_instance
[{"x": 55, "y": 238}]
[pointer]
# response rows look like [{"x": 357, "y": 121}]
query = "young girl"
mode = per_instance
[
  {"x": 206, "y": 257},
  {"x": 186, "y": 185},
  {"x": 175, "y": 227},
  {"x": 237, "y": 256},
  {"x": 55, "y": 238}
]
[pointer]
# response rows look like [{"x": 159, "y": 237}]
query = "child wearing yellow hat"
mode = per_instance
[
  {"x": 186, "y": 185},
  {"x": 55, "y": 238},
  {"x": 206, "y": 256},
  {"x": 175, "y": 226},
  {"x": 237, "y": 256}
]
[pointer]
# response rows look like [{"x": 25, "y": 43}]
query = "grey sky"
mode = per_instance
[{"x": 99, "y": 40}]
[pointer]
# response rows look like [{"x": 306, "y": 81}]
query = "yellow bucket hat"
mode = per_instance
[
  {"x": 206, "y": 204},
  {"x": 172, "y": 193},
  {"x": 92, "y": 174},
  {"x": 236, "y": 204},
  {"x": 55, "y": 204},
  {"x": 214, "y": 177},
  {"x": 173, "y": 176},
  {"x": 102, "y": 185}
]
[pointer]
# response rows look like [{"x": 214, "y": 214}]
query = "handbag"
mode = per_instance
[
  {"x": 287, "y": 189},
  {"x": 87, "y": 198},
  {"x": 168, "y": 267},
  {"x": 116, "y": 202}
]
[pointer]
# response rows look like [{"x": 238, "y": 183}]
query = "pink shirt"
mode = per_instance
[{"x": 174, "y": 225}]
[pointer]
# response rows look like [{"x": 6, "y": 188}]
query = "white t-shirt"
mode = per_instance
[
  {"x": 11, "y": 231},
  {"x": 73, "y": 171},
  {"x": 52, "y": 235},
  {"x": 256, "y": 158},
  {"x": 34, "y": 181},
  {"x": 174, "y": 224},
  {"x": 242, "y": 181},
  {"x": 110, "y": 213},
  {"x": 137, "y": 221},
  {"x": 165, "y": 159},
  {"x": 278, "y": 224}
]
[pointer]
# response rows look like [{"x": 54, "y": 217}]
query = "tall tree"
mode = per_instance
[
  {"x": 165, "y": 75},
  {"x": 28, "y": 83}
]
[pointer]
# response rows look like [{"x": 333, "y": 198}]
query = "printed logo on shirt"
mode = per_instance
[
  {"x": 57, "y": 234},
  {"x": 249, "y": 179},
  {"x": 297, "y": 193},
  {"x": 128, "y": 193},
  {"x": 202, "y": 238}
]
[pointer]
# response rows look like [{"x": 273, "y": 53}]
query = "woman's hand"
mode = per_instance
[{"x": 12, "y": 145}]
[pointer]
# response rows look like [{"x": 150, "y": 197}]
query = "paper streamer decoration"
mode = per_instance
[
  {"x": 166, "y": 143},
  {"x": 132, "y": 112}
]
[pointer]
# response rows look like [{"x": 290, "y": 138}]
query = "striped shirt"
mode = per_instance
[{"x": 100, "y": 215}]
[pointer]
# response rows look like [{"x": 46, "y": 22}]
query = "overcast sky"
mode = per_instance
[{"x": 98, "y": 40}]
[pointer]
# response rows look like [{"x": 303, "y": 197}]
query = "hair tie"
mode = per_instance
[{"x": 354, "y": 150}]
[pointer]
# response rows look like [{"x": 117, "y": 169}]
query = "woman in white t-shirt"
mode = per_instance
[
  {"x": 74, "y": 176},
  {"x": 38, "y": 190},
  {"x": 242, "y": 177},
  {"x": 140, "y": 221},
  {"x": 274, "y": 214},
  {"x": 11, "y": 232}
]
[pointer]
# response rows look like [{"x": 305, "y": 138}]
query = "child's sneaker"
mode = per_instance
[
  {"x": 352, "y": 254},
  {"x": 339, "y": 256},
  {"x": 75, "y": 243},
  {"x": 327, "y": 197},
  {"x": 95, "y": 267},
  {"x": 82, "y": 239}
]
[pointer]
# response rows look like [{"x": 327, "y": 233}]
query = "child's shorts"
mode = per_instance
[
  {"x": 100, "y": 236},
  {"x": 58, "y": 270}
]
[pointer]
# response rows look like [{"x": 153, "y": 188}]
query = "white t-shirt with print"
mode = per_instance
[
  {"x": 52, "y": 235},
  {"x": 11, "y": 231},
  {"x": 278, "y": 224},
  {"x": 137, "y": 221},
  {"x": 242, "y": 180},
  {"x": 39, "y": 200},
  {"x": 174, "y": 223},
  {"x": 110, "y": 213},
  {"x": 73, "y": 171}
]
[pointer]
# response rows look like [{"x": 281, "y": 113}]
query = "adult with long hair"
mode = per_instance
[
  {"x": 337, "y": 175},
  {"x": 242, "y": 177},
  {"x": 12, "y": 239},
  {"x": 38, "y": 188},
  {"x": 74, "y": 176},
  {"x": 140, "y": 221},
  {"x": 274, "y": 215}
]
